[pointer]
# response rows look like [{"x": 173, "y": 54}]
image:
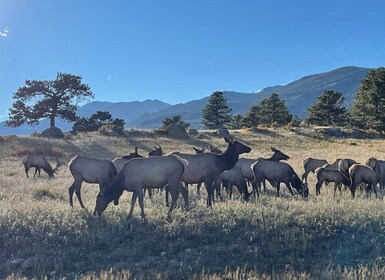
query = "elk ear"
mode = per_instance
[
  {"x": 136, "y": 149},
  {"x": 229, "y": 140},
  {"x": 273, "y": 149}
]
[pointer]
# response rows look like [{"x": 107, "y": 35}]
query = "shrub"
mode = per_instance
[
  {"x": 23, "y": 151},
  {"x": 45, "y": 192}
]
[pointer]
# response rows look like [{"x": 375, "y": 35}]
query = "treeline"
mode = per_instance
[
  {"x": 366, "y": 112},
  {"x": 60, "y": 98}
]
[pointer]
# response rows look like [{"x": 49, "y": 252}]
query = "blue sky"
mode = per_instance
[{"x": 177, "y": 51}]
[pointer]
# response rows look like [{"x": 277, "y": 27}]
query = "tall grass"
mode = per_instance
[{"x": 267, "y": 238}]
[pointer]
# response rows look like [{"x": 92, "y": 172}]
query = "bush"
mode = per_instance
[{"x": 46, "y": 192}]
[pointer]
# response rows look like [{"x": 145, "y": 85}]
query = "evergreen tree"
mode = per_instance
[
  {"x": 216, "y": 113},
  {"x": 96, "y": 121},
  {"x": 368, "y": 109},
  {"x": 329, "y": 109},
  {"x": 175, "y": 119},
  {"x": 252, "y": 117},
  {"x": 236, "y": 121},
  {"x": 274, "y": 110},
  {"x": 48, "y": 99}
]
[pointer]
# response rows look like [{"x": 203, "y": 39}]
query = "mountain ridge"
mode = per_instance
[{"x": 298, "y": 95}]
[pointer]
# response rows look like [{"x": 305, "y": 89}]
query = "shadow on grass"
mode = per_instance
[{"x": 195, "y": 241}]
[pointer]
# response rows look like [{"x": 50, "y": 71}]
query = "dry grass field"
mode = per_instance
[{"x": 322, "y": 237}]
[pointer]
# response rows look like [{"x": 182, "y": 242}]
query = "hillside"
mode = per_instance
[{"x": 299, "y": 95}]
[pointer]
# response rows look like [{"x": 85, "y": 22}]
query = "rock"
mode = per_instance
[
  {"x": 29, "y": 263},
  {"x": 193, "y": 132},
  {"x": 176, "y": 130},
  {"x": 222, "y": 132},
  {"x": 330, "y": 131},
  {"x": 52, "y": 132}
]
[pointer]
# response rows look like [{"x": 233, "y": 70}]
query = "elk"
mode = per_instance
[
  {"x": 90, "y": 170},
  {"x": 142, "y": 173},
  {"x": 199, "y": 151},
  {"x": 336, "y": 176},
  {"x": 244, "y": 164},
  {"x": 276, "y": 173},
  {"x": 207, "y": 167},
  {"x": 361, "y": 173},
  {"x": 230, "y": 178},
  {"x": 121, "y": 161},
  {"x": 215, "y": 150},
  {"x": 39, "y": 162},
  {"x": 156, "y": 152},
  {"x": 378, "y": 167},
  {"x": 310, "y": 165}
]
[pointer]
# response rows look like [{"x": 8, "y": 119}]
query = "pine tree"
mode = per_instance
[
  {"x": 175, "y": 119},
  {"x": 48, "y": 99},
  {"x": 252, "y": 117},
  {"x": 274, "y": 110},
  {"x": 216, "y": 113},
  {"x": 329, "y": 109},
  {"x": 236, "y": 121},
  {"x": 368, "y": 109}
]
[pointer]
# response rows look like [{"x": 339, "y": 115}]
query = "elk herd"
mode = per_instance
[{"x": 174, "y": 172}]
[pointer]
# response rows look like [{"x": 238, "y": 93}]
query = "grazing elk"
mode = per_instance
[
  {"x": 244, "y": 164},
  {"x": 362, "y": 174},
  {"x": 207, "y": 167},
  {"x": 142, "y": 173},
  {"x": 39, "y": 162},
  {"x": 336, "y": 176},
  {"x": 276, "y": 173},
  {"x": 90, "y": 170},
  {"x": 378, "y": 167}
]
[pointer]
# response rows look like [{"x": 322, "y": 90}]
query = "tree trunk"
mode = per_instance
[{"x": 51, "y": 121}]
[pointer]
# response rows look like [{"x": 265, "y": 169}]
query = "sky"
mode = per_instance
[{"x": 177, "y": 51}]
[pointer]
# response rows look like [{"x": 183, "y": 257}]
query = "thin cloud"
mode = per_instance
[
  {"x": 4, "y": 33},
  {"x": 110, "y": 77}
]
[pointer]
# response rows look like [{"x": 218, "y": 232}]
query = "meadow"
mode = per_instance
[{"x": 323, "y": 237}]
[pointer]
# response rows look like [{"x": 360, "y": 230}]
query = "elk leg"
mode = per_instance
[
  {"x": 35, "y": 172},
  {"x": 184, "y": 193},
  {"x": 26, "y": 169},
  {"x": 133, "y": 200},
  {"x": 78, "y": 194},
  {"x": 318, "y": 188},
  {"x": 174, "y": 197},
  {"x": 289, "y": 188},
  {"x": 255, "y": 189},
  {"x": 71, "y": 191},
  {"x": 210, "y": 192},
  {"x": 140, "y": 198},
  {"x": 304, "y": 176},
  {"x": 199, "y": 185},
  {"x": 167, "y": 196}
]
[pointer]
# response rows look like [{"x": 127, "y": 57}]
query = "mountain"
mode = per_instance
[
  {"x": 298, "y": 95},
  {"x": 122, "y": 110}
]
